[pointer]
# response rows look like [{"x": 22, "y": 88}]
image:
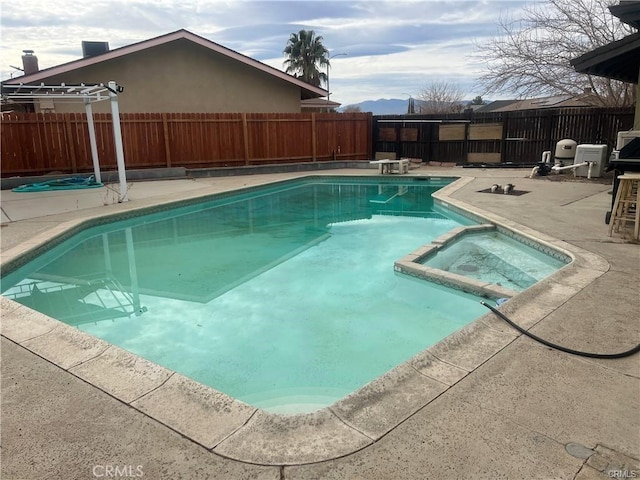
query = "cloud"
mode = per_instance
[{"x": 391, "y": 45}]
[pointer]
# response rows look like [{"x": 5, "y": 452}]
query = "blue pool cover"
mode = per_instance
[{"x": 71, "y": 183}]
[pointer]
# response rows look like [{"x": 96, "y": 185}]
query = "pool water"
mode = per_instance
[
  {"x": 495, "y": 258},
  {"x": 283, "y": 297}
]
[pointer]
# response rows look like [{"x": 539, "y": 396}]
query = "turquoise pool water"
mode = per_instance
[
  {"x": 496, "y": 258},
  {"x": 283, "y": 297}
]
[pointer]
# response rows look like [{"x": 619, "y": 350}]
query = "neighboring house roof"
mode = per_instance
[
  {"x": 495, "y": 105},
  {"x": 306, "y": 90},
  {"x": 319, "y": 104},
  {"x": 474, "y": 107},
  {"x": 555, "y": 101},
  {"x": 619, "y": 60}
]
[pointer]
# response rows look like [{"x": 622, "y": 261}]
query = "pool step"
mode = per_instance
[{"x": 294, "y": 400}]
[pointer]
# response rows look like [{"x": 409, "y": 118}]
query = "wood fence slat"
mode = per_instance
[
  {"x": 52, "y": 138},
  {"x": 245, "y": 138},
  {"x": 314, "y": 138},
  {"x": 167, "y": 145},
  {"x": 38, "y": 142}
]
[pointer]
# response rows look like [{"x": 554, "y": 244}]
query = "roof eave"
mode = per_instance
[
  {"x": 618, "y": 60},
  {"x": 627, "y": 12}
]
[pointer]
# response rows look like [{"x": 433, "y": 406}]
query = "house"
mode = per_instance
[
  {"x": 587, "y": 99},
  {"x": 619, "y": 60},
  {"x": 176, "y": 72}
]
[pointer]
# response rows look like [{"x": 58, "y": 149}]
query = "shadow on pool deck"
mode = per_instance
[{"x": 511, "y": 417}]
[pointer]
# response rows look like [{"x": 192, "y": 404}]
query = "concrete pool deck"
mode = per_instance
[{"x": 505, "y": 412}]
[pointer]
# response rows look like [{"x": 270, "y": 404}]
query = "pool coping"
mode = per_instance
[{"x": 238, "y": 431}]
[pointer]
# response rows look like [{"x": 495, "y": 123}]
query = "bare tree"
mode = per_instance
[
  {"x": 440, "y": 96},
  {"x": 530, "y": 56},
  {"x": 352, "y": 109}
]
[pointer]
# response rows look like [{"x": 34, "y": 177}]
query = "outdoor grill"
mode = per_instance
[{"x": 625, "y": 159}]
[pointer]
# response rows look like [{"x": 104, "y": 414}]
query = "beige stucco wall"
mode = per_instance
[{"x": 184, "y": 77}]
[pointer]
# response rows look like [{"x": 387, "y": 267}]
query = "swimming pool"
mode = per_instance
[{"x": 284, "y": 297}]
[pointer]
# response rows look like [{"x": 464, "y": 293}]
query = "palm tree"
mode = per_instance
[{"x": 305, "y": 54}]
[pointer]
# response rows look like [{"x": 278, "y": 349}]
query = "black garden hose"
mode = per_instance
[{"x": 628, "y": 353}]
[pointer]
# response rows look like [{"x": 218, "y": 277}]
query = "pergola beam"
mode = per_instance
[{"x": 95, "y": 93}]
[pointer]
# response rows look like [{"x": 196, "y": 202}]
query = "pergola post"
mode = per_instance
[
  {"x": 117, "y": 138},
  {"x": 92, "y": 140}
]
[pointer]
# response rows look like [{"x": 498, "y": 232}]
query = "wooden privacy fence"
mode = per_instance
[
  {"x": 496, "y": 137},
  {"x": 36, "y": 143}
]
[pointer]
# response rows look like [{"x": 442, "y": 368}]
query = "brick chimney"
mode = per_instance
[{"x": 29, "y": 62}]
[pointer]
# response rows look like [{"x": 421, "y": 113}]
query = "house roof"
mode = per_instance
[
  {"x": 555, "y": 101},
  {"x": 306, "y": 90},
  {"x": 319, "y": 103},
  {"x": 619, "y": 60},
  {"x": 494, "y": 106},
  {"x": 628, "y": 12}
]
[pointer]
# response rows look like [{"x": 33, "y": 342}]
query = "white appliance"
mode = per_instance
[
  {"x": 625, "y": 137},
  {"x": 596, "y": 154}
]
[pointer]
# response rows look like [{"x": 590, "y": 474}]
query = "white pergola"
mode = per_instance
[{"x": 88, "y": 94}]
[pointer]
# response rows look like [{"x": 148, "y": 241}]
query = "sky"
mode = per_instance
[{"x": 394, "y": 49}]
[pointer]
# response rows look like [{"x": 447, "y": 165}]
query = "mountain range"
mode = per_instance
[
  {"x": 385, "y": 106},
  {"x": 382, "y": 106}
]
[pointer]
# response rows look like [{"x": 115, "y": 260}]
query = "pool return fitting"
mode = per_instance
[{"x": 609, "y": 356}]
